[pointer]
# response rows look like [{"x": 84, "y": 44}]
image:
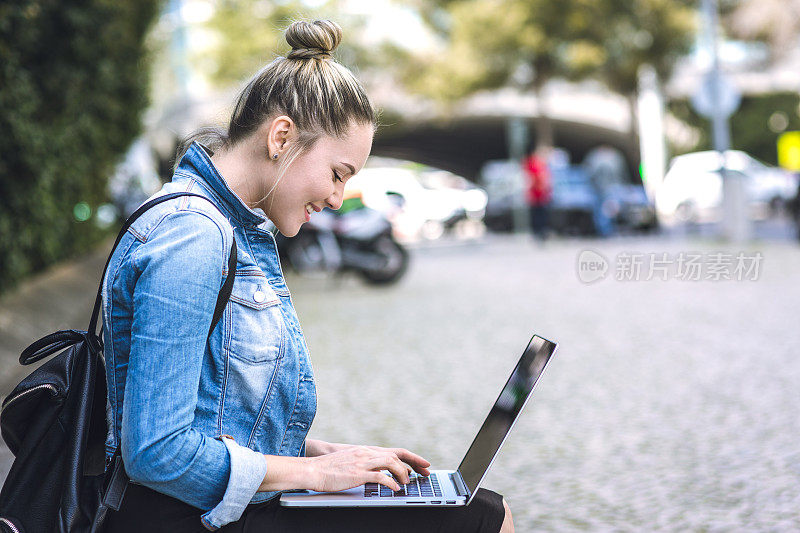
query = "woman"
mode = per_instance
[{"x": 212, "y": 426}]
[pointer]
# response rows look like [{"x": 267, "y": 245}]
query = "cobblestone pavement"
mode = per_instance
[{"x": 670, "y": 405}]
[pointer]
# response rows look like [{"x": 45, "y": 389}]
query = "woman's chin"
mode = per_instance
[{"x": 289, "y": 230}]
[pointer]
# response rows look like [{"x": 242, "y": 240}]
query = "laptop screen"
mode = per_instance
[{"x": 505, "y": 412}]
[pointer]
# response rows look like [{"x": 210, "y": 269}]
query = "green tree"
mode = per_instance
[
  {"x": 494, "y": 43},
  {"x": 251, "y": 34},
  {"x": 489, "y": 42},
  {"x": 73, "y": 85},
  {"x": 636, "y": 33}
]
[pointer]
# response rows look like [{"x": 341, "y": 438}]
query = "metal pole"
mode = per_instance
[
  {"x": 652, "y": 147},
  {"x": 735, "y": 217},
  {"x": 517, "y": 139}
]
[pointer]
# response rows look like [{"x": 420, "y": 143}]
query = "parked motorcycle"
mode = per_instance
[{"x": 359, "y": 240}]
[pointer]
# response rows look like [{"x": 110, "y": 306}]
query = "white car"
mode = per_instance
[
  {"x": 415, "y": 211},
  {"x": 692, "y": 187}
]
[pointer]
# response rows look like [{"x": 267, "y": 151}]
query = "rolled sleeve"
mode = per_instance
[{"x": 248, "y": 469}]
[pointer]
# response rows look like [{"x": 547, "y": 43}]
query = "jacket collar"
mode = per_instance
[{"x": 197, "y": 160}]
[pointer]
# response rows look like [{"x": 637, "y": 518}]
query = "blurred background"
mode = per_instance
[{"x": 541, "y": 167}]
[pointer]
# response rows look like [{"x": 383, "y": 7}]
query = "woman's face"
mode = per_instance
[{"x": 316, "y": 179}]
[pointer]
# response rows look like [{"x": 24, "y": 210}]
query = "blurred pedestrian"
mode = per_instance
[
  {"x": 539, "y": 191},
  {"x": 794, "y": 206},
  {"x": 212, "y": 425}
]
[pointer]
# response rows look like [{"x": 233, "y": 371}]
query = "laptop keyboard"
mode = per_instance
[{"x": 417, "y": 486}]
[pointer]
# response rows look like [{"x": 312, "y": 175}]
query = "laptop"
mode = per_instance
[{"x": 449, "y": 487}]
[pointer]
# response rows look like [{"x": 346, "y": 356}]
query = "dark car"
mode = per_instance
[
  {"x": 574, "y": 208},
  {"x": 594, "y": 198},
  {"x": 628, "y": 206},
  {"x": 622, "y": 200},
  {"x": 583, "y": 204}
]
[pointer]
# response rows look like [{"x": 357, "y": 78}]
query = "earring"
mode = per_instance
[{"x": 275, "y": 156}]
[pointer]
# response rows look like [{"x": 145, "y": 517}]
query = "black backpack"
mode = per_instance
[{"x": 54, "y": 422}]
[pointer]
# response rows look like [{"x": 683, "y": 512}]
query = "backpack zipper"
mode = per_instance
[
  {"x": 9, "y": 401},
  {"x": 9, "y": 524}
]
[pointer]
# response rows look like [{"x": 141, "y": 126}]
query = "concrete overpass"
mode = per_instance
[
  {"x": 461, "y": 139},
  {"x": 464, "y": 144}
]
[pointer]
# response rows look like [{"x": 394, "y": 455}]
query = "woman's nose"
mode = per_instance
[{"x": 335, "y": 200}]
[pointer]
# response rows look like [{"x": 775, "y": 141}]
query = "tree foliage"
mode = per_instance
[
  {"x": 490, "y": 42},
  {"x": 73, "y": 84},
  {"x": 250, "y": 35},
  {"x": 639, "y": 32}
]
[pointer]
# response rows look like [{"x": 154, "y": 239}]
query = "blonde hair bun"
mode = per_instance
[{"x": 315, "y": 39}]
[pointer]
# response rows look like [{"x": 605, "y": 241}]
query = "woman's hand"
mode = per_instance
[
  {"x": 316, "y": 447},
  {"x": 351, "y": 466}
]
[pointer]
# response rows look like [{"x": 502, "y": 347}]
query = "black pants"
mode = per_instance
[
  {"x": 144, "y": 509},
  {"x": 539, "y": 219}
]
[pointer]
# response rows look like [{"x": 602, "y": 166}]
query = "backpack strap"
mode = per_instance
[{"x": 225, "y": 291}]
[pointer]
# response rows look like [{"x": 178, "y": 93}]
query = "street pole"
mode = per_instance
[
  {"x": 735, "y": 217},
  {"x": 517, "y": 139},
  {"x": 652, "y": 146}
]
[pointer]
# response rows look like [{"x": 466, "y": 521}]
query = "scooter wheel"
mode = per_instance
[{"x": 395, "y": 264}]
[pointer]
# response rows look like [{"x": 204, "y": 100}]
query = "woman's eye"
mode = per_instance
[{"x": 336, "y": 176}]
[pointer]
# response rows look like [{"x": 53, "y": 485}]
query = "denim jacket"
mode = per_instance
[{"x": 192, "y": 413}]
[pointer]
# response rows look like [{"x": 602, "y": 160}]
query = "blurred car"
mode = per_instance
[
  {"x": 692, "y": 187},
  {"x": 414, "y": 210},
  {"x": 472, "y": 198},
  {"x": 502, "y": 180},
  {"x": 580, "y": 207},
  {"x": 594, "y": 198},
  {"x": 575, "y": 207},
  {"x": 623, "y": 200}
]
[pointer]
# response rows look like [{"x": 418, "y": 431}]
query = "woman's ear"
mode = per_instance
[{"x": 279, "y": 135}]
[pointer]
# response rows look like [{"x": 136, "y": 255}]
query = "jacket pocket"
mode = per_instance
[{"x": 257, "y": 331}]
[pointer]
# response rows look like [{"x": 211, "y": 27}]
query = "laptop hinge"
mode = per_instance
[{"x": 461, "y": 488}]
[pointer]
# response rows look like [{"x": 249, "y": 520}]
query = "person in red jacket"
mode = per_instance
[{"x": 539, "y": 191}]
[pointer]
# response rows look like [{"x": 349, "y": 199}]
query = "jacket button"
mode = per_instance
[{"x": 259, "y": 296}]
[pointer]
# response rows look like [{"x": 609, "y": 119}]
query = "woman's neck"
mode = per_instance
[{"x": 239, "y": 167}]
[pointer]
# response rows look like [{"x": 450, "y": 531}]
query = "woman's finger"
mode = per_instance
[
  {"x": 383, "y": 479},
  {"x": 397, "y": 468},
  {"x": 390, "y": 462},
  {"x": 411, "y": 458},
  {"x": 416, "y": 462}
]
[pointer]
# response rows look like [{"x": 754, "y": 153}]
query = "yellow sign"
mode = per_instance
[{"x": 789, "y": 150}]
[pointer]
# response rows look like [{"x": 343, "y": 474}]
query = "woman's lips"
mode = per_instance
[{"x": 308, "y": 208}]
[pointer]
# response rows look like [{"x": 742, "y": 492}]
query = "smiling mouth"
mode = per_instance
[{"x": 311, "y": 208}]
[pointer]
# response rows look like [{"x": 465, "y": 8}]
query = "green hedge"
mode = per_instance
[
  {"x": 73, "y": 84},
  {"x": 749, "y": 126}
]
